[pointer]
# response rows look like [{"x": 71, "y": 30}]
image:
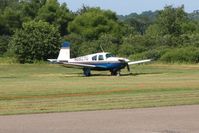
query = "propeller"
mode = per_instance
[
  {"x": 127, "y": 66},
  {"x": 126, "y": 62}
]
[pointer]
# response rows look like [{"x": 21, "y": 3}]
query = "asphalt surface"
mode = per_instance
[{"x": 179, "y": 119}]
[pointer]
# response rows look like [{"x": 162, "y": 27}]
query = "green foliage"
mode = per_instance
[
  {"x": 146, "y": 35},
  {"x": 168, "y": 41},
  {"x": 55, "y": 14},
  {"x": 109, "y": 43},
  {"x": 190, "y": 27},
  {"x": 8, "y": 60},
  {"x": 140, "y": 22},
  {"x": 48, "y": 11},
  {"x": 95, "y": 22},
  {"x": 151, "y": 16},
  {"x": 7, "y": 3},
  {"x": 182, "y": 55},
  {"x": 10, "y": 21},
  {"x": 94, "y": 28},
  {"x": 170, "y": 21},
  {"x": 153, "y": 30},
  {"x": 36, "y": 41},
  {"x": 194, "y": 15},
  {"x": 81, "y": 47},
  {"x": 136, "y": 44},
  {"x": 16, "y": 12},
  {"x": 151, "y": 54},
  {"x": 29, "y": 9},
  {"x": 4, "y": 40},
  {"x": 88, "y": 48},
  {"x": 13, "y": 15}
]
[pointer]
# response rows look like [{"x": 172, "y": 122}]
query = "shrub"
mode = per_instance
[
  {"x": 4, "y": 40},
  {"x": 35, "y": 41},
  {"x": 151, "y": 54},
  {"x": 182, "y": 55},
  {"x": 8, "y": 60}
]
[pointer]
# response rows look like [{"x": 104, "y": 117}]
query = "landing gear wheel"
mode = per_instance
[
  {"x": 115, "y": 72},
  {"x": 87, "y": 72},
  {"x": 118, "y": 73}
]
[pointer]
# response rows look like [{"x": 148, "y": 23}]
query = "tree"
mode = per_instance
[
  {"x": 29, "y": 8},
  {"x": 10, "y": 21},
  {"x": 93, "y": 27},
  {"x": 134, "y": 44},
  {"x": 16, "y": 12},
  {"x": 142, "y": 21},
  {"x": 55, "y": 14},
  {"x": 190, "y": 27},
  {"x": 35, "y": 41},
  {"x": 106, "y": 42},
  {"x": 169, "y": 21},
  {"x": 8, "y": 3},
  {"x": 12, "y": 14},
  {"x": 109, "y": 43},
  {"x": 131, "y": 45},
  {"x": 4, "y": 40},
  {"x": 95, "y": 22},
  {"x": 83, "y": 10}
]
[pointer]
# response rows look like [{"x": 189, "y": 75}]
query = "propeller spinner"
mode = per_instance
[{"x": 126, "y": 62}]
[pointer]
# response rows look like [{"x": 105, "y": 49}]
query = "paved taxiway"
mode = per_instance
[{"x": 179, "y": 119}]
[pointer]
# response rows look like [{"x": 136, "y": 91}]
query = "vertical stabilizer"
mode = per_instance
[{"x": 64, "y": 53}]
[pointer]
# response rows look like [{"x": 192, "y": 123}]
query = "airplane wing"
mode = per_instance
[
  {"x": 77, "y": 65},
  {"x": 138, "y": 62},
  {"x": 74, "y": 65}
]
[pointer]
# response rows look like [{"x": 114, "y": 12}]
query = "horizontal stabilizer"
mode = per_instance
[
  {"x": 138, "y": 62},
  {"x": 52, "y": 60}
]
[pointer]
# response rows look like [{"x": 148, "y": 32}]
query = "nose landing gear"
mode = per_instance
[{"x": 115, "y": 72}]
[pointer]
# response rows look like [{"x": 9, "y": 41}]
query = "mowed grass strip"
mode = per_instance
[{"x": 52, "y": 88}]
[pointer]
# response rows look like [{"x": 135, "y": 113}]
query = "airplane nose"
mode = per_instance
[
  {"x": 126, "y": 60},
  {"x": 123, "y": 59}
]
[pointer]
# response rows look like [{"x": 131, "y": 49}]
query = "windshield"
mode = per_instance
[{"x": 109, "y": 55}]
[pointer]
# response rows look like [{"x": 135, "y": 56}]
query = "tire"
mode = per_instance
[{"x": 87, "y": 72}]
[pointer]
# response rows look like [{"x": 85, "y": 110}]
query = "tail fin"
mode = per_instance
[{"x": 64, "y": 53}]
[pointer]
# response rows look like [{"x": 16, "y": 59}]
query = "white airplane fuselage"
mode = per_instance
[{"x": 102, "y": 61}]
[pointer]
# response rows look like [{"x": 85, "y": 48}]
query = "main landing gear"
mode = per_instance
[{"x": 87, "y": 72}]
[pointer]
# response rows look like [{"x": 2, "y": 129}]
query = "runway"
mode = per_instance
[{"x": 179, "y": 119}]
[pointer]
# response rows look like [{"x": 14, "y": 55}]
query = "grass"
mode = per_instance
[{"x": 43, "y": 88}]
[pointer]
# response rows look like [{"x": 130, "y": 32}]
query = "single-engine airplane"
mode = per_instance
[{"x": 99, "y": 61}]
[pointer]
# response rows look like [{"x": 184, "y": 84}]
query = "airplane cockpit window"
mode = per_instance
[
  {"x": 94, "y": 57},
  {"x": 109, "y": 55},
  {"x": 100, "y": 57}
]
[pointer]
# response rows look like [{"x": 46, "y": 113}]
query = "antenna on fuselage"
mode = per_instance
[{"x": 101, "y": 48}]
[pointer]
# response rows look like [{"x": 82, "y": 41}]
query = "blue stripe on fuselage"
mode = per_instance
[{"x": 108, "y": 66}]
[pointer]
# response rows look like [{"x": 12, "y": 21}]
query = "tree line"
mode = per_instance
[{"x": 32, "y": 30}]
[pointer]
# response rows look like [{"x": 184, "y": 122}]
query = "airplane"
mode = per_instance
[{"x": 102, "y": 61}]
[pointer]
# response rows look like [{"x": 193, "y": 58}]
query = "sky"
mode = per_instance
[{"x": 125, "y": 7}]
